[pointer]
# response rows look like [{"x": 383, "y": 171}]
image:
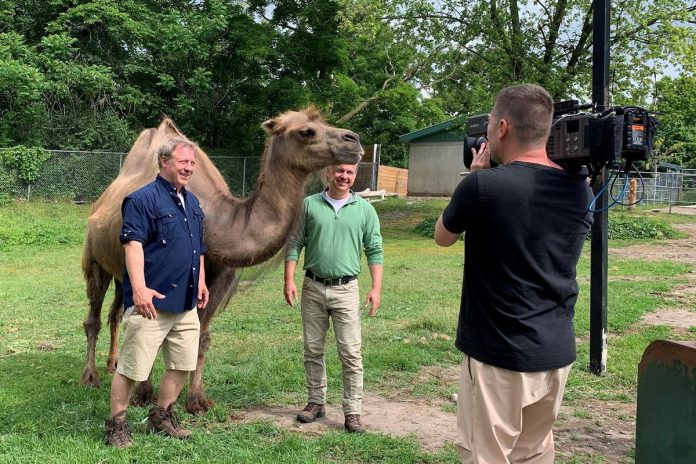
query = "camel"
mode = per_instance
[{"x": 238, "y": 232}]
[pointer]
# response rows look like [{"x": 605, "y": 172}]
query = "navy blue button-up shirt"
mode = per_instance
[{"x": 172, "y": 238}]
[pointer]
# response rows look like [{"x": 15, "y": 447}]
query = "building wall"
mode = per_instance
[{"x": 434, "y": 168}]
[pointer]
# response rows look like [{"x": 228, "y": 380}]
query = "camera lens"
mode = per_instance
[{"x": 469, "y": 143}]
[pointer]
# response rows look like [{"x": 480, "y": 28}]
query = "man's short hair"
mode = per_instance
[
  {"x": 167, "y": 148},
  {"x": 529, "y": 110}
]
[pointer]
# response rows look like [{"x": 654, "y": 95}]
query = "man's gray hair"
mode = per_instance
[{"x": 167, "y": 148}]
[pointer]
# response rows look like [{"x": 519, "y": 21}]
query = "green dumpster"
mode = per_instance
[{"x": 666, "y": 417}]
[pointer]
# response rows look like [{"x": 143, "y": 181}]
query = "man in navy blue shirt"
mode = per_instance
[{"x": 164, "y": 281}]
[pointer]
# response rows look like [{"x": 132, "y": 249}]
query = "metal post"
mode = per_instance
[
  {"x": 599, "y": 254},
  {"x": 244, "y": 168},
  {"x": 375, "y": 166}
]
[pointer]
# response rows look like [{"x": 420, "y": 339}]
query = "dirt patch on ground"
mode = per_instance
[
  {"x": 430, "y": 426},
  {"x": 680, "y": 250},
  {"x": 671, "y": 317},
  {"x": 596, "y": 428}
]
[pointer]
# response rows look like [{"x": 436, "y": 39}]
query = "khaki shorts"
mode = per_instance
[{"x": 176, "y": 333}]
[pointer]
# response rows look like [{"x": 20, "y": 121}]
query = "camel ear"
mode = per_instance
[{"x": 269, "y": 126}]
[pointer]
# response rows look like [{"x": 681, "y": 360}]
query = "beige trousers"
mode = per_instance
[
  {"x": 505, "y": 416},
  {"x": 176, "y": 333},
  {"x": 341, "y": 303}
]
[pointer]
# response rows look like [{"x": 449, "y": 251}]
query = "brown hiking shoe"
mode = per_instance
[
  {"x": 118, "y": 433},
  {"x": 161, "y": 420},
  {"x": 353, "y": 424},
  {"x": 311, "y": 412}
]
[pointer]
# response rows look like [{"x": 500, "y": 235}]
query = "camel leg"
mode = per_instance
[
  {"x": 115, "y": 316},
  {"x": 220, "y": 282},
  {"x": 97, "y": 284},
  {"x": 196, "y": 402},
  {"x": 144, "y": 393}
]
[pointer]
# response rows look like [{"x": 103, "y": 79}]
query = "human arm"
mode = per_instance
[
  {"x": 460, "y": 213},
  {"x": 203, "y": 293},
  {"x": 374, "y": 297},
  {"x": 289, "y": 289},
  {"x": 444, "y": 237},
  {"x": 142, "y": 295}
]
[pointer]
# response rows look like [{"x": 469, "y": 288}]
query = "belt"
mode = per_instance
[{"x": 330, "y": 281}]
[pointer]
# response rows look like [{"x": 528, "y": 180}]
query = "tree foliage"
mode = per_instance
[
  {"x": 89, "y": 74},
  {"x": 25, "y": 162}
]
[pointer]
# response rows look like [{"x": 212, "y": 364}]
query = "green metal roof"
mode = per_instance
[{"x": 447, "y": 131}]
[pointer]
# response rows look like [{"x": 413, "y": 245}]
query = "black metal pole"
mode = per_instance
[{"x": 599, "y": 253}]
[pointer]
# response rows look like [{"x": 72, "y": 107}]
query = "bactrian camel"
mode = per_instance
[{"x": 238, "y": 232}]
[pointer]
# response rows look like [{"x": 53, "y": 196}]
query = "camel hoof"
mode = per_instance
[
  {"x": 111, "y": 366},
  {"x": 90, "y": 379},
  {"x": 197, "y": 403},
  {"x": 143, "y": 395}
]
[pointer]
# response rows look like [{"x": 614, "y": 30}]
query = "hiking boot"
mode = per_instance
[
  {"x": 161, "y": 420},
  {"x": 311, "y": 412},
  {"x": 353, "y": 424},
  {"x": 118, "y": 433}
]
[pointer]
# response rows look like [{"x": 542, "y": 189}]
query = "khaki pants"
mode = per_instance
[
  {"x": 342, "y": 304},
  {"x": 177, "y": 333},
  {"x": 505, "y": 416}
]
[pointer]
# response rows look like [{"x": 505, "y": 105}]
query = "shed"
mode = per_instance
[{"x": 435, "y": 160}]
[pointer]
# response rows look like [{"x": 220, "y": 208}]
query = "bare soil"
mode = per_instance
[{"x": 586, "y": 430}]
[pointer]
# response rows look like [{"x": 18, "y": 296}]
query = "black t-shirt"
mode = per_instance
[{"x": 525, "y": 227}]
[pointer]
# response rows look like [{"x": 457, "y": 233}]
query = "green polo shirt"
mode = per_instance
[{"x": 333, "y": 241}]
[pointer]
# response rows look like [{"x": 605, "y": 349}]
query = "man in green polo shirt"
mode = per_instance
[{"x": 337, "y": 225}]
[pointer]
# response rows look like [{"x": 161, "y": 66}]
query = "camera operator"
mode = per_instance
[{"x": 525, "y": 222}]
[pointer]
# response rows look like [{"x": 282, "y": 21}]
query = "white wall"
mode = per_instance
[{"x": 434, "y": 168}]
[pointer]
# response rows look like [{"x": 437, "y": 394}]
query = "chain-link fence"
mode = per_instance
[
  {"x": 84, "y": 175},
  {"x": 673, "y": 187}
]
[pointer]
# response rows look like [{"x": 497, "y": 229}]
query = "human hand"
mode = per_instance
[
  {"x": 142, "y": 299},
  {"x": 290, "y": 292},
  {"x": 372, "y": 301},
  {"x": 482, "y": 158},
  {"x": 203, "y": 295}
]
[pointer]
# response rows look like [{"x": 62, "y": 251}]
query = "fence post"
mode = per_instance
[
  {"x": 669, "y": 193},
  {"x": 244, "y": 169}
]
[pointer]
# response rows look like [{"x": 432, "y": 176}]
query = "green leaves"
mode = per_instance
[{"x": 25, "y": 161}]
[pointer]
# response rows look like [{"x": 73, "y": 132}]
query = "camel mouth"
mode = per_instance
[{"x": 349, "y": 156}]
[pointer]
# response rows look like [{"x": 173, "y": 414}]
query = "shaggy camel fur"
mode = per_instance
[{"x": 238, "y": 232}]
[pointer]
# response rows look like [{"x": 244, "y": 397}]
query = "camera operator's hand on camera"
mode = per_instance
[{"x": 482, "y": 158}]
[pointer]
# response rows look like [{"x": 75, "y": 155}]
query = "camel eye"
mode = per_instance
[{"x": 307, "y": 132}]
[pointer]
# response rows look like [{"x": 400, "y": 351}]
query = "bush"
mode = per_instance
[
  {"x": 25, "y": 161},
  {"x": 623, "y": 227},
  {"x": 426, "y": 227},
  {"x": 620, "y": 227}
]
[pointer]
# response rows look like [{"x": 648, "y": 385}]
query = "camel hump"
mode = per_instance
[{"x": 142, "y": 157}]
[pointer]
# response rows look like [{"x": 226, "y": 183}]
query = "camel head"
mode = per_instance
[{"x": 306, "y": 142}]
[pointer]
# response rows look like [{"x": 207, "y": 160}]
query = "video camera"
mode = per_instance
[{"x": 579, "y": 139}]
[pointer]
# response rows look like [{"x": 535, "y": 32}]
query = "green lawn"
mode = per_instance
[{"x": 256, "y": 354}]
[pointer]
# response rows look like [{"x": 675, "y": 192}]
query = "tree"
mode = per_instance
[
  {"x": 476, "y": 47},
  {"x": 675, "y": 101}
]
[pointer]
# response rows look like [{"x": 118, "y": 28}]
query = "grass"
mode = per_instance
[{"x": 256, "y": 354}]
